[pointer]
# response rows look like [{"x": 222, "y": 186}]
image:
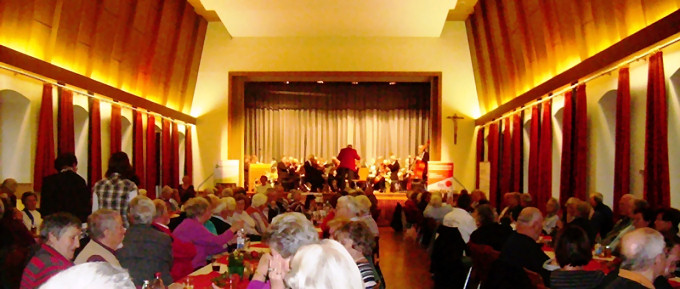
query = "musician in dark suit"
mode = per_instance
[
  {"x": 313, "y": 174},
  {"x": 66, "y": 191},
  {"x": 394, "y": 173},
  {"x": 285, "y": 174},
  {"x": 424, "y": 157}
]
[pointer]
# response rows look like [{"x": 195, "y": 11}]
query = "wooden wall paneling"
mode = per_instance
[
  {"x": 619, "y": 16},
  {"x": 473, "y": 39},
  {"x": 10, "y": 19},
  {"x": 499, "y": 36},
  {"x": 484, "y": 65},
  {"x": 172, "y": 60},
  {"x": 124, "y": 16},
  {"x": 604, "y": 16},
  {"x": 164, "y": 48},
  {"x": 26, "y": 17},
  {"x": 102, "y": 46},
  {"x": 535, "y": 31},
  {"x": 192, "y": 70},
  {"x": 528, "y": 51},
  {"x": 67, "y": 34},
  {"x": 50, "y": 48},
  {"x": 181, "y": 59},
  {"x": 490, "y": 56},
  {"x": 514, "y": 43},
  {"x": 551, "y": 38},
  {"x": 150, "y": 37},
  {"x": 90, "y": 14}
]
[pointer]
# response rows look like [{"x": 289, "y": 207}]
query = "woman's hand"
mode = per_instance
[
  {"x": 262, "y": 268},
  {"x": 278, "y": 267},
  {"x": 237, "y": 225}
]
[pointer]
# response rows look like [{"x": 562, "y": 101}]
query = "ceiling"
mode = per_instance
[{"x": 334, "y": 18}]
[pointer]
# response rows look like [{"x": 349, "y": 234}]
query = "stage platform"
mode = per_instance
[{"x": 386, "y": 203}]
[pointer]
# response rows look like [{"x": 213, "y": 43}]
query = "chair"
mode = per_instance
[
  {"x": 536, "y": 279},
  {"x": 483, "y": 256},
  {"x": 447, "y": 264}
]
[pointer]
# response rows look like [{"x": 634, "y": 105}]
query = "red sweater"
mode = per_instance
[
  {"x": 347, "y": 158},
  {"x": 182, "y": 254},
  {"x": 46, "y": 263}
]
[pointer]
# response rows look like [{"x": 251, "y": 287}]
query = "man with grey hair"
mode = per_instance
[
  {"x": 106, "y": 231},
  {"x": 643, "y": 259},
  {"x": 602, "y": 219},
  {"x": 145, "y": 250},
  {"x": 521, "y": 248}
]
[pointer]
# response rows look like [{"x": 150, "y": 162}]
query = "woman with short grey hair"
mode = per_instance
[
  {"x": 286, "y": 234},
  {"x": 142, "y": 210}
]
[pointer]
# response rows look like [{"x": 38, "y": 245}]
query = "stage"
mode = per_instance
[{"x": 386, "y": 203}]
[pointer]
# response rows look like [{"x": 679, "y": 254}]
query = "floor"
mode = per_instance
[{"x": 404, "y": 263}]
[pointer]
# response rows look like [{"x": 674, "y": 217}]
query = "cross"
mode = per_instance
[{"x": 455, "y": 117}]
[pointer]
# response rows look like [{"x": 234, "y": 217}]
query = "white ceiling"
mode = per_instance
[{"x": 336, "y": 18}]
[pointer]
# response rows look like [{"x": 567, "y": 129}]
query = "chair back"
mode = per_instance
[
  {"x": 363, "y": 174},
  {"x": 535, "y": 278},
  {"x": 483, "y": 257}
]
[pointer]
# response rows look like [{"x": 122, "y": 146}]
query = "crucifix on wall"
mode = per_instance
[{"x": 455, "y": 117}]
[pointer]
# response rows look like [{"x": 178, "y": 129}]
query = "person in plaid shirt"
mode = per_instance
[{"x": 115, "y": 191}]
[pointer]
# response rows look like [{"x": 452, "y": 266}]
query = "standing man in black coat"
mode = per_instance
[{"x": 66, "y": 191}]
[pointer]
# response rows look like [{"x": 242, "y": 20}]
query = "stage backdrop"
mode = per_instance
[{"x": 299, "y": 119}]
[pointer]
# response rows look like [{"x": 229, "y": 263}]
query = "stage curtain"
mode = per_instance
[
  {"x": 151, "y": 163},
  {"x": 544, "y": 191},
  {"x": 580, "y": 141},
  {"x": 480, "y": 153},
  {"x": 622, "y": 150},
  {"x": 94, "y": 148},
  {"x": 174, "y": 162},
  {"x": 44, "y": 148},
  {"x": 656, "y": 181},
  {"x": 188, "y": 153},
  {"x": 116, "y": 142},
  {"x": 494, "y": 146},
  {"x": 138, "y": 147},
  {"x": 505, "y": 173},
  {"x": 517, "y": 152},
  {"x": 65, "y": 134},
  {"x": 166, "y": 155},
  {"x": 566, "y": 178},
  {"x": 534, "y": 138}
]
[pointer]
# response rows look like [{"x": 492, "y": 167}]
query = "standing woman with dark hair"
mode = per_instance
[
  {"x": 116, "y": 190},
  {"x": 572, "y": 251}
]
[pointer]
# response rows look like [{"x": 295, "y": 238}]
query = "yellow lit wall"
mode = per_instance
[{"x": 448, "y": 54}]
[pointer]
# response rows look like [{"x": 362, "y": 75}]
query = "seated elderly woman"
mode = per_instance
[
  {"x": 572, "y": 251},
  {"x": 167, "y": 195},
  {"x": 256, "y": 211},
  {"x": 326, "y": 265},
  {"x": 222, "y": 213},
  {"x": 358, "y": 240},
  {"x": 182, "y": 252},
  {"x": 60, "y": 234},
  {"x": 489, "y": 231},
  {"x": 192, "y": 230},
  {"x": 249, "y": 224},
  {"x": 436, "y": 209},
  {"x": 364, "y": 205},
  {"x": 287, "y": 233},
  {"x": 145, "y": 250},
  {"x": 106, "y": 231},
  {"x": 88, "y": 275}
]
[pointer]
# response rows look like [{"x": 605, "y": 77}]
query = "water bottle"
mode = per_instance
[
  {"x": 146, "y": 284},
  {"x": 240, "y": 239}
]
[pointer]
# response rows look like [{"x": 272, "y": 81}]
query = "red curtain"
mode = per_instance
[
  {"x": 656, "y": 178},
  {"x": 115, "y": 129},
  {"x": 566, "y": 177},
  {"x": 622, "y": 151},
  {"x": 506, "y": 160},
  {"x": 580, "y": 164},
  {"x": 493, "y": 145},
  {"x": 94, "y": 150},
  {"x": 544, "y": 191},
  {"x": 65, "y": 134},
  {"x": 534, "y": 138},
  {"x": 44, "y": 152},
  {"x": 189, "y": 153},
  {"x": 166, "y": 154},
  {"x": 517, "y": 152},
  {"x": 151, "y": 163},
  {"x": 174, "y": 165},
  {"x": 480, "y": 152},
  {"x": 138, "y": 147}
]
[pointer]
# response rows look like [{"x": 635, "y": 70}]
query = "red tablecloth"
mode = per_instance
[{"x": 201, "y": 281}]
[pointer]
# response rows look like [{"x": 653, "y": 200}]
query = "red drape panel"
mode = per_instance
[
  {"x": 566, "y": 177},
  {"x": 580, "y": 164},
  {"x": 622, "y": 152},
  {"x": 65, "y": 127},
  {"x": 505, "y": 173},
  {"x": 116, "y": 142},
  {"x": 151, "y": 163},
  {"x": 138, "y": 147},
  {"x": 656, "y": 181},
  {"x": 534, "y": 137},
  {"x": 544, "y": 191},
  {"x": 517, "y": 152},
  {"x": 44, "y": 149},
  {"x": 94, "y": 149},
  {"x": 174, "y": 165},
  {"x": 166, "y": 153},
  {"x": 493, "y": 145},
  {"x": 189, "y": 153},
  {"x": 480, "y": 152}
]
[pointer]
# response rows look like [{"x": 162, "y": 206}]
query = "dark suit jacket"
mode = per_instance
[
  {"x": 523, "y": 251},
  {"x": 602, "y": 220},
  {"x": 585, "y": 225},
  {"x": 493, "y": 234},
  {"x": 66, "y": 192},
  {"x": 146, "y": 251}
]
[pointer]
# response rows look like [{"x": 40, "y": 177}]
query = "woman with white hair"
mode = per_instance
[
  {"x": 145, "y": 250},
  {"x": 365, "y": 213},
  {"x": 326, "y": 265},
  {"x": 256, "y": 211},
  {"x": 287, "y": 233},
  {"x": 436, "y": 209},
  {"x": 222, "y": 213},
  {"x": 88, "y": 275},
  {"x": 249, "y": 224}
]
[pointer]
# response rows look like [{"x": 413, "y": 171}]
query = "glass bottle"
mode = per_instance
[{"x": 158, "y": 282}]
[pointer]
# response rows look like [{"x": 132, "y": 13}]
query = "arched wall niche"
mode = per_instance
[
  {"x": 81, "y": 122},
  {"x": 15, "y": 136}
]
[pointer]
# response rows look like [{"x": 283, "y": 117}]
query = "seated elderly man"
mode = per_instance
[
  {"x": 106, "y": 231},
  {"x": 166, "y": 196},
  {"x": 31, "y": 217},
  {"x": 643, "y": 259},
  {"x": 145, "y": 250},
  {"x": 489, "y": 232},
  {"x": 461, "y": 219},
  {"x": 521, "y": 248},
  {"x": 60, "y": 233},
  {"x": 626, "y": 207},
  {"x": 182, "y": 252}
]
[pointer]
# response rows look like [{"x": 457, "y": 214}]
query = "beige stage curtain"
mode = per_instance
[{"x": 272, "y": 133}]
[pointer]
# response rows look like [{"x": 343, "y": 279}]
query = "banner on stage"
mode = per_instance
[
  {"x": 227, "y": 172},
  {"x": 440, "y": 177}
]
